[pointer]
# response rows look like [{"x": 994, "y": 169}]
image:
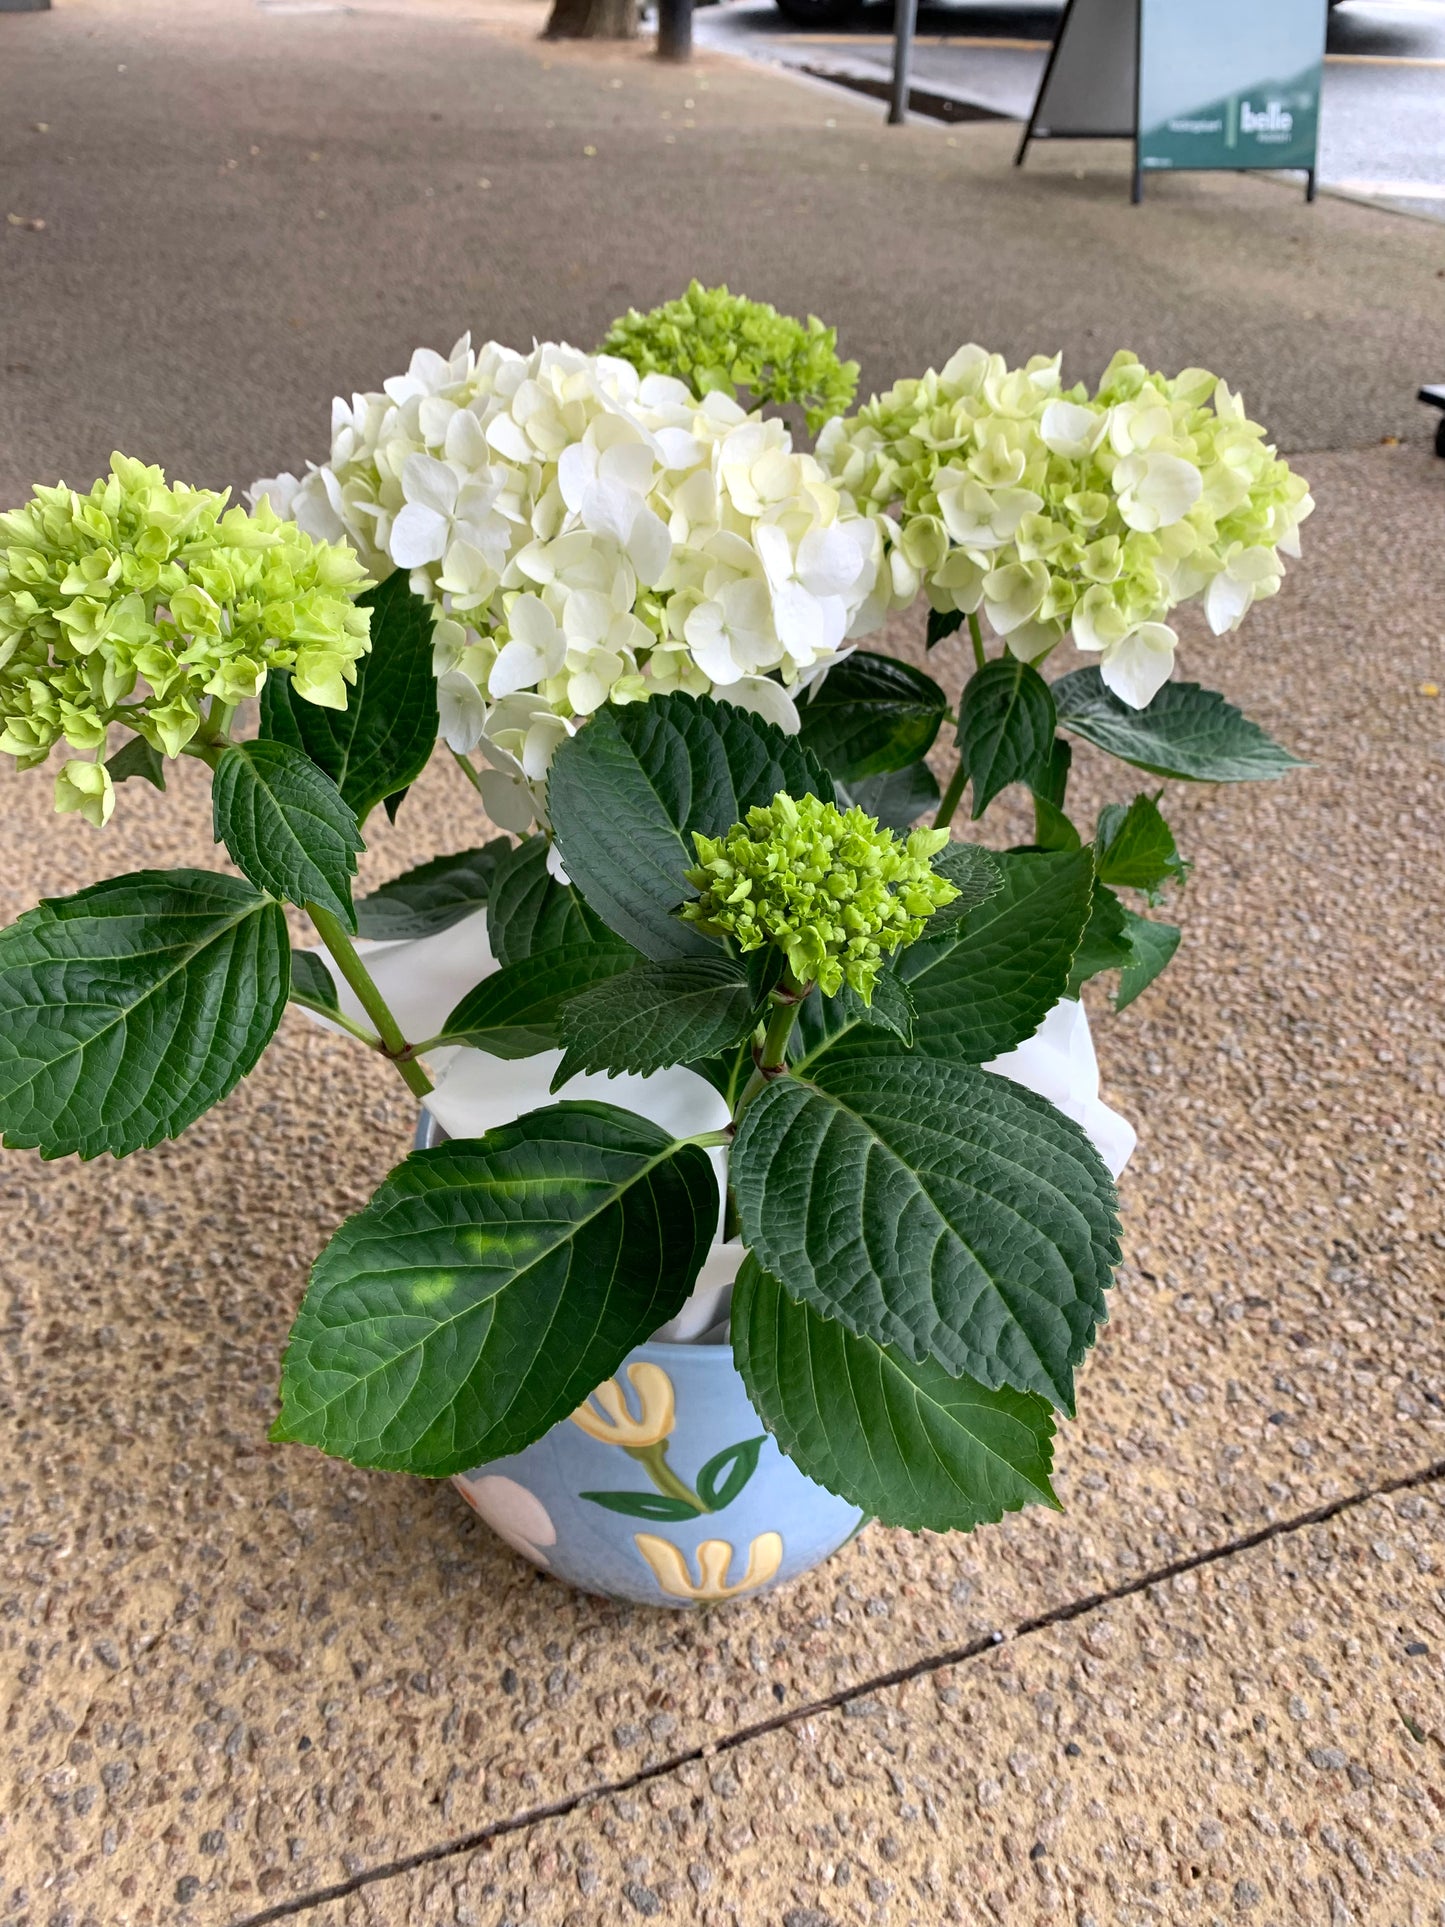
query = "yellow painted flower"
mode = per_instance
[
  {"x": 615, "y": 1425},
  {"x": 714, "y": 1558}
]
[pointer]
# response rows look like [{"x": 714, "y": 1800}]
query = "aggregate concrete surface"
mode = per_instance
[{"x": 243, "y": 1682}]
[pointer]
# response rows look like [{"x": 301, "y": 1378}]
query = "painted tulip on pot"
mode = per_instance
[{"x": 763, "y": 1183}]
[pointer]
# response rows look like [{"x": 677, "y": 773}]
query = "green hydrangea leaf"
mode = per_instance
[
  {"x": 489, "y": 1286},
  {"x": 1005, "y": 728},
  {"x": 431, "y": 898},
  {"x": 381, "y": 741},
  {"x": 891, "y": 1010},
  {"x": 529, "y": 911},
  {"x": 312, "y": 984},
  {"x": 943, "y": 623},
  {"x": 1105, "y": 944},
  {"x": 1186, "y": 731},
  {"x": 897, "y": 800},
  {"x": 627, "y": 792},
  {"x": 910, "y": 1444},
  {"x": 1052, "y": 829},
  {"x": 871, "y": 716},
  {"x": 517, "y": 1011},
  {"x": 1151, "y": 944},
  {"x": 137, "y": 758},
  {"x": 129, "y": 1009},
  {"x": 1051, "y": 781},
  {"x": 286, "y": 826},
  {"x": 974, "y": 872},
  {"x": 935, "y": 1208},
  {"x": 658, "y": 1014},
  {"x": 1135, "y": 847}
]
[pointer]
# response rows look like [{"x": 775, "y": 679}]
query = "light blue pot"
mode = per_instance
[{"x": 663, "y": 1488}]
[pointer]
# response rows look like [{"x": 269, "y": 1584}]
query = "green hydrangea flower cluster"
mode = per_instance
[
  {"x": 830, "y": 888},
  {"x": 140, "y": 603},
  {"x": 716, "y": 341},
  {"x": 1054, "y": 510}
]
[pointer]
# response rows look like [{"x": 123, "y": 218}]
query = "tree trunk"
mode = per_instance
[{"x": 592, "y": 20}]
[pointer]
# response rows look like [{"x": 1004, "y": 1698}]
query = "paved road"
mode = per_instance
[{"x": 1383, "y": 134}]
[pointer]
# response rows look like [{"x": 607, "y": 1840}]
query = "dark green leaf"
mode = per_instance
[
  {"x": 137, "y": 758},
  {"x": 286, "y": 826},
  {"x": 728, "y": 1072},
  {"x": 490, "y": 1285},
  {"x": 431, "y": 898},
  {"x": 312, "y": 983},
  {"x": 987, "y": 982},
  {"x": 392, "y": 804},
  {"x": 1052, "y": 829},
  {"x": 935, "y": 1208},
  {"x": 529, "y": 911},
  {"x": 1005, "y": 728},
  {"x": 657, "y": 1014},
  {"x": 727, "y": 1472},
  {"x": 871, "y": 715},
  {"x": 643, "y": 1505},
  {"x": 907, "y": 1442},
  {"x": 131, "y": 1008},
  {"x": 1105, "y": 944},
  {"x": 943, "y": 623},
  {"x": 381, "y": 741},
  {"x": 627, "y": 792},
  {"x": 1152, "y": 944},
  {"x": 1135, "y": 847},
  {"x": 974, "y": 873},
  {"x": 1052, "y": 780},
  {"x": 516, "y": 1012},
  {"x": 897, "y": 800},
  {"x": 1186, "y": 731},
  {"x": 891, "y": 1009}
]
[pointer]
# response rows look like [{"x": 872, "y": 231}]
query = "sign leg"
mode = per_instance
[{"x": 904, "y": 19}]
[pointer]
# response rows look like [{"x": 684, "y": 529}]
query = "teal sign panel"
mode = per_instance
[{"x": 1230, "y": 83}]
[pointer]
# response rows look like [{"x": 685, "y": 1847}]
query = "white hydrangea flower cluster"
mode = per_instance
[
  {"x": 589, "y": 535},
  {"x": 1059, "y": 512}
]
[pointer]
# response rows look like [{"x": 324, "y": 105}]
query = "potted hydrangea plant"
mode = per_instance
[{"x": 762, "y": 1181}]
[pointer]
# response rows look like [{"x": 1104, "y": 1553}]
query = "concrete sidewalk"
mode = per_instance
[{"x": 244, "y": 1683}]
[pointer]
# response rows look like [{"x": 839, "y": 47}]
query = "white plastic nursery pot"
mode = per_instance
[{"x": 663, "y": 1488}]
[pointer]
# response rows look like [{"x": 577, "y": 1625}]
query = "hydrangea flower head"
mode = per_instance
[
  {"x": 719, "y": 342},
  {"x": 139, "y": 602},
  {"x": 830, "y": 888},
  {"x": 589, "y": 535},
  {"x": 1057, "y": 512}
]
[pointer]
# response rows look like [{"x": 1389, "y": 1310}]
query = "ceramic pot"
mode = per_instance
[{"x": 662, "y": 1488}]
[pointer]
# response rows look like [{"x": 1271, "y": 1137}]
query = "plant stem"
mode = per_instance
[
  {"x": 332, "y": 933},
  {"x": 770, "y": 1058},
  {"x": 358, "y": 1031},
  {"x": 951, "y": 797},
  {"x": 463, "y": 763},
  {"x": 979, "y": 658},
  {"x": 654, "y": 1459}
]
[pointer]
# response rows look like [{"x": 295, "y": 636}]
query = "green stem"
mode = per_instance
[
  {"x": 359, "y": 1031},
  {"x": 771, "y": 1056},
  {"x": 333, "y": 934},
  {"x": 979, "y": 658},
  {"x": 654, "y": 1459},
  {"x": 464, "y": 765},
  {"x": 952, "y": 796}
]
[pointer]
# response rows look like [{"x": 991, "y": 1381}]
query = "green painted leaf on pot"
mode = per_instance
[
  {"x": 137, "y": 758},
  {"x": 643, "y": 1505},
  {"x": 1105, "y": 944},
  {"x": 1151, "y": 944},
  {"x": 908, "y": 1443},
  {"x": 381, "y": 741},
  {"x": 627, "y": 792},
  {"x": 932, "y": 1207},
  {"x": 516, "y": 1012},
  {"x": 431, "y": 898},
  {"x": 1005, "y": 728},
  {"x": 871, "y": 715},
  {"x": 286, "y": 826},
  {"x": 897, "y": 800},
  {"x": 1185, "y": 731},
  {"x": 312, "y": 983},
  {"x": 529, "y": 911},
  {"x": 129, "y": 1009},
  {"x": 727, "y": 1472},
  {"x": 988, "y": 981},
  {"x": 657, "y": 1014},
  {"x": 1135, "y": 847},
  {"x": 490, "y": 1285}
]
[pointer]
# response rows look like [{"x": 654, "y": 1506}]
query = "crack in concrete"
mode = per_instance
[{"x": 954, "y": 1656}]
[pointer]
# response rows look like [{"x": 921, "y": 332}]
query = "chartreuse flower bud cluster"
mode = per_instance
[
  {"x": 719, "y": 342},
  {"x": 141, "y": 603},
  {"x": 1055, "y": 511},
  {"x": 833, "y": 891}
]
